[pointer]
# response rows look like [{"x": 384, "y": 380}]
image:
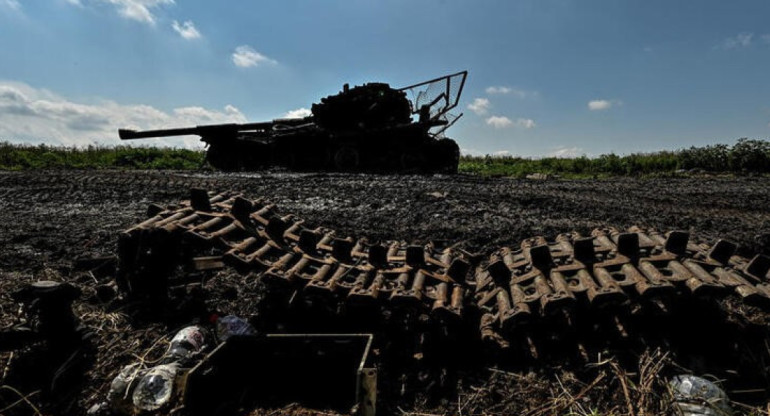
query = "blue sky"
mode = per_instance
[{"x": 546, "y": 77}]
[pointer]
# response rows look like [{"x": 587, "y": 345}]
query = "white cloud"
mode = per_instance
[
  {"x": 501, "y": 122},
  {"x": 526, "y": 123},
  {"x": 31, "y": 115},
  {"x": 567, "y": 152},
  {"x": 139, "y": 10},
  {"x": 186, "y": 30},
  {"x": 298, "y": 113},
  {"x": 11, "y": 4},
  {"x": 599, "y": 105},
  {"x": 500, "y": 90},
  {"x": 245, "y": 56},
  {"x": 741, "y": 40},
  {"x": 479, "y": 106},
  {"x": 501, "y": 153}
]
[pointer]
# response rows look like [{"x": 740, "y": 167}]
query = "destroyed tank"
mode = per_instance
[{"x": 372, "y": 127}]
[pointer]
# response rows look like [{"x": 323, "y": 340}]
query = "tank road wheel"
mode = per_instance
[
  {"x": 286, "y": 159},
  {"x": 446, "y": 156},
  {"x": 347, "y": 158},
  {"x": 317, "y": 158},
  {"x": 412, "y": 161},
  {"x": 222, "y": 157}
]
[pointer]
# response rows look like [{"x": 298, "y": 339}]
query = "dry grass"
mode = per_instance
[{"x": 603, "y": 388}]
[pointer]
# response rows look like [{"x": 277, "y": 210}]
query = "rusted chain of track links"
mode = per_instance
[
  {"x": 607, "y": 269},
  {"x": 542, "y": 278},
  {"x": 254, "y": 238}
]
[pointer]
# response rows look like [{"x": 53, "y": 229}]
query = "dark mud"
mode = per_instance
[{"x": 50, "y": 219}]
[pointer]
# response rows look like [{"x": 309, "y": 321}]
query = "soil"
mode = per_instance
[{"x": 49, "y": 220}]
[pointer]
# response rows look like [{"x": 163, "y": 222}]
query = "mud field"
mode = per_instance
[{"x": 48, "y": 220}]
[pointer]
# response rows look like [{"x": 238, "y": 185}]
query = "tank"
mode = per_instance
[{"x": 367, "y": 128}]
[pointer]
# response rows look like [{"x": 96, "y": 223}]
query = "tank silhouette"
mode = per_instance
[{"x": 371, "y": 127}]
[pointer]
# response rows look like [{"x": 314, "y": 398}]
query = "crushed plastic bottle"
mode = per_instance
[
  {"x": 230, "y": 325},
  {"x": 136, "y": 389},
  {"x": 186, "y": 345},
  {"x": 696, "y": 396},
  {"x": 156, "y": 387},
  {"x": 121, "y": 388}
]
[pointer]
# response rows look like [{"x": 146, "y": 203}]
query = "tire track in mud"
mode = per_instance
[{"x": 70, "y": 209}]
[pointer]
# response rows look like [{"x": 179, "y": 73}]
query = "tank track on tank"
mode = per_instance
[{"x": 543, "y": 291}]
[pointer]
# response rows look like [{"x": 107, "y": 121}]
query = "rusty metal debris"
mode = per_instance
[
  {"x": 49, "y": 325},
  {"x": 48, "y": 307},
  {"x": 289, "y": 255},
  {"x": 621, "y": 274},
  {"x": 609, "y": 269}
]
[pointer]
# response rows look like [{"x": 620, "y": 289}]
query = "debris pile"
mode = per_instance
[{"x": 575, "y": 297}]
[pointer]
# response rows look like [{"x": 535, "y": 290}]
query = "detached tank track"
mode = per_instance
[
  {"x": 622, "y": 283},
  {"x": 288, "y": 255}
]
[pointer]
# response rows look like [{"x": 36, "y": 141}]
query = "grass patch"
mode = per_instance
[
  {"x": 746, "y": 156},
  {"x": 580, "y": 167},
  {"x": 21, "y": 157}
]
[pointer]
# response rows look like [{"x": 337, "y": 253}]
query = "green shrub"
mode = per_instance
[
  {"x": 21, "y": 157},
  {"x": 746, "y": 156}
]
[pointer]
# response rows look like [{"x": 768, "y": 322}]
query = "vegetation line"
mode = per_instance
[
  {"x": 23, "y": 157},
  {"x": 746, "y": 156}
]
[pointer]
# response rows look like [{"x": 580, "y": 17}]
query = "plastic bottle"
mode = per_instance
[
  {"x": 156, "y": 387},
  {"x": 230, "y": 325},
  {"x": 186, "y": 345},
  {"x": 121, "y": 388},
  {"x": 135, "y": 389},
  {"x": 696, "y": 396}
]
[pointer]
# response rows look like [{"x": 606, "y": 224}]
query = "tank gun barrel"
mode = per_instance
[{"x": 203, "y": 131}]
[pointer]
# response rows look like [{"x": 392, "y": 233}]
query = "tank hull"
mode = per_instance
[{"x": 407, "y": 149}]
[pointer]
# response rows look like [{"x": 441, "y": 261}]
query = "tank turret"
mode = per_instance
[{"x": 372, "y": 105}]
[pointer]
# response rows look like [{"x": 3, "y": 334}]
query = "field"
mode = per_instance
[{"x": 51, "y": 218}]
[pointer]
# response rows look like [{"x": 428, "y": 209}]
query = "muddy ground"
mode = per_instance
[{"x": 49, "y": 219}]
